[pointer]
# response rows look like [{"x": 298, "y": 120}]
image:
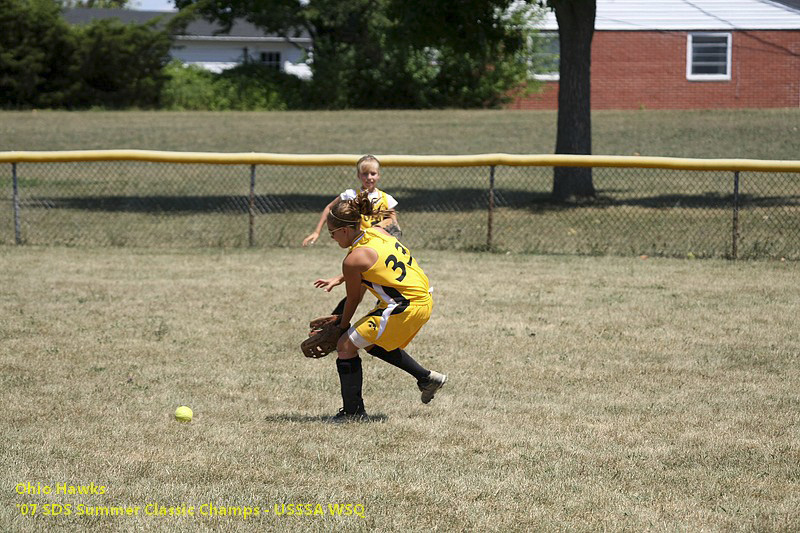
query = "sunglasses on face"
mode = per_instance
[{"x": 332, "y": 231}]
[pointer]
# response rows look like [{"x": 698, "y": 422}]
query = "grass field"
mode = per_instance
[
  {"x": 585, "y": 394},
  {"x": 754, "y": 134}
]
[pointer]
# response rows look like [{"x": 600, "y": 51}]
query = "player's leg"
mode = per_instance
[
  {"x": 401, "y": 360},
  {"x": 428, "y": 381},
  {"x": 385, "y": 335},
  {"x": 348, "y": 366}
]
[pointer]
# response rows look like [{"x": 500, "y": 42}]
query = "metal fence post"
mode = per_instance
[
  {"x": 735, "y": 236},
  {"x": 17, "y": 230},
  {"x": 491, "y": 209},
  {"x": 252, "y": 206}
]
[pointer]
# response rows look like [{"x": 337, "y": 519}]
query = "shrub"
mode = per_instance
[
  {"x": 242, "y": 88},
  {"x": 187, "y": 88}
]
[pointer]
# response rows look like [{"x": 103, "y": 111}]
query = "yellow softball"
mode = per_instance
[{"x": 183, "y": 414}]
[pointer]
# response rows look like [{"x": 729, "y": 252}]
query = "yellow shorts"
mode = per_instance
[{"x": 387, "y": 330}]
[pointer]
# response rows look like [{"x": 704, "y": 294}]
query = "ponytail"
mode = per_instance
[{"x": 349, "y": 212}]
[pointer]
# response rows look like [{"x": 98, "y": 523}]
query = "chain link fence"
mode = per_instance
[{"x": 638, "y": 210}]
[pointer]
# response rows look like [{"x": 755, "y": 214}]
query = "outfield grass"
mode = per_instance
[
  {"x": 755, "y": 134},
  {"x": 585, "y": 394}
]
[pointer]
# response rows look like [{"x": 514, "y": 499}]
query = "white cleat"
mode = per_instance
[{"x": 434, "y": 382}]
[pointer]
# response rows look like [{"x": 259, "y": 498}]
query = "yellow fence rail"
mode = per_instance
[
  {"x": 478, "y": 160},
  {"x": 645, "y": 205}
]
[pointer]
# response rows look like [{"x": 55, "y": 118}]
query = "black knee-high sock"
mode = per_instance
[
  {"x": 401, "y": 360},
  {"x": 350, "y": 377}
]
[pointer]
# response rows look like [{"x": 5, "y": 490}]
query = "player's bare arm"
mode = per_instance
[
  {"x": 330, "y": 283},
  {"x": 354, "y": 264},
  {"x": 391, "y": 219},
  {"x": 313, "y": 236}
]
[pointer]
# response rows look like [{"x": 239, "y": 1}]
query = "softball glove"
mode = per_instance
[{"x": 323, "y": 336}]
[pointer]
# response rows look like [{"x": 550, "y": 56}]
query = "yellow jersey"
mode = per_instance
[{"x": 396, "y": 278}]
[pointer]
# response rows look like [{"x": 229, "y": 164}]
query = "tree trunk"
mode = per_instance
[{"x": 575, "y": 30}]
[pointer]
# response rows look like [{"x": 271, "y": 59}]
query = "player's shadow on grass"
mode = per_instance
[{"x": 304, "y": 419}]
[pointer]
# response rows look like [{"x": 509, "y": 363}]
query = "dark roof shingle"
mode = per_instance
[{"x": 199, "y": 27}]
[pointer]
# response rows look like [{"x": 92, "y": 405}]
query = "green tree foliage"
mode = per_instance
[
  {"x": 258, "y": 87},
  {"x": 480, "y": 49},
  {"x": 46, "y": 63},
  {"x": 244, "y": 88},
  {"x": 188, "y": 88},
  {"x": 396, "y": 53},
  {"x": 37, "y": 56},
  {"x": 121, "y": 65}
]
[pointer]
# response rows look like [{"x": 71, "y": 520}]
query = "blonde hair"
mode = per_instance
[
  {"x": 366, "y": 158},
  {"x": 348, "y": 213}
]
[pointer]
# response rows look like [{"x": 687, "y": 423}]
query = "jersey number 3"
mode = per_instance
[{"x": 397, "y": 264}]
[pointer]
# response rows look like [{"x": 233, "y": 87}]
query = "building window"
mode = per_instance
[
  {"x": 545, "y": 56},
  {"x": 271, "y": 59},
  {"x": 708, "y": 56}
]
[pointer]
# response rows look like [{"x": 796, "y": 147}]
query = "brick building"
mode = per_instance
[{"x": 680, "y": 54}]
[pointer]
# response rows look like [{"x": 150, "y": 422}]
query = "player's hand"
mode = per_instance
[
  {"x": 311, "y": 239},
  {"x": 328, "y": 284}
]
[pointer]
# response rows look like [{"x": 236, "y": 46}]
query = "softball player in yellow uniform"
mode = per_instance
[
  {"x": 381, "y": 264},
  {"x": 368, "y": 170}
]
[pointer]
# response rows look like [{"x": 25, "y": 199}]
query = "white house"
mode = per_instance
[{"x": 201, "y": 44}]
